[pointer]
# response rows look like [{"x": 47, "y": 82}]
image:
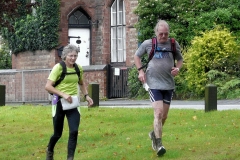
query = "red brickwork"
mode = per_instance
[
  {"x": 34, "y": 60},
  {"x": 131, "y": 36},
  {"x": 99, "y": 77}
]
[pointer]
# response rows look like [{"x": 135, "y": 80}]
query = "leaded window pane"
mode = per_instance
[{"x": 118, "y": 33}]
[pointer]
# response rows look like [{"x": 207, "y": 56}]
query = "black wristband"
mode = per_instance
[
  {"x": 140, "y": 68},
  {"x": 85, "y": 96}
]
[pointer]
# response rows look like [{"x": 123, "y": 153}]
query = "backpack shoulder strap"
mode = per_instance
[
  {"x": 154, "y": 46},
  {"x": 151, "y": 54},
  {"x": 77, "y": 70},
  {"x": 173, "y": 48},
  {"x": 64, "y": 70}
]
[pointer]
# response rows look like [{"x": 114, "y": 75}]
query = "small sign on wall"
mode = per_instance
[{"x": 117, "y": 71}]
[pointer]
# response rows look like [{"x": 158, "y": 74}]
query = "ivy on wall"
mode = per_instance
[{"x": 35, "y": 30}]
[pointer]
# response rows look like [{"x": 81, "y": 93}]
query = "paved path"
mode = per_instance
[{"x": 181, "y": 104}]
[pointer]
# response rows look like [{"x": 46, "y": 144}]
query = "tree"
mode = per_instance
[
  {"x": 11, "y": 10},
  {"x": 187, "y": 18},
  {"x": 30, "y": 32}
]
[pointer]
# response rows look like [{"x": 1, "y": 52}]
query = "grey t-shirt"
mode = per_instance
[{"x": 158, "y": 72}]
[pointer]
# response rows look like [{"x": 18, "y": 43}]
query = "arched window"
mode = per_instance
[
  {"x": 79, "y": 19},
  {"x": 118, "y": 32}
]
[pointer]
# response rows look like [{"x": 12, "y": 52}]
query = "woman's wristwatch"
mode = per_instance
[{"x": 85, "y": 96}]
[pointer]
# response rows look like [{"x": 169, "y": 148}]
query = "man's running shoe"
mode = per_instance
[
  {"x": 153, "y": 138},
  {"x": 161, "y": 151}
]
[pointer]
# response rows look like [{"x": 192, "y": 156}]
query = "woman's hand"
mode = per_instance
[
  {"x": 67, "y": 97},
  {"x": 89, "y": 100}
]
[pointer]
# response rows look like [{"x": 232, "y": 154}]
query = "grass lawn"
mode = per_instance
[{"x": 121, "y": 134}]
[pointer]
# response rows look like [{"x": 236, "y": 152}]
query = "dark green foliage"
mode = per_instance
[
  {"x": 5, "y": 57},
  {"x": 181, "y": 89},
  {"x": 187, "y": 18},
  {"x": 135, "y": 86},
  {"x": 34, "y": 31},
  {"x": 227, "y": 85}
]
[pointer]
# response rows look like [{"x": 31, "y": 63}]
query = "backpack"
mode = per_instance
[
  {"x": 154, "y": 47},
  {"x": 64, "y": 72}
]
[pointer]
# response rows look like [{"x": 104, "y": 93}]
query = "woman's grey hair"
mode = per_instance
[
  {"x": 161, "y": 23},
  {"x": 68, "y": 49}
]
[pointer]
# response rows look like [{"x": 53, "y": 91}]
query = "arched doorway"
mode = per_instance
[{"x": 79, "y": 29}]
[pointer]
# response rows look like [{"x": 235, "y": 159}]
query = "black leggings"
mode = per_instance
[{"x": 73, "y": 118}]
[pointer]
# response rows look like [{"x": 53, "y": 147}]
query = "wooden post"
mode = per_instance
[
  {"x": 210, "y": 98},
  {"x": 2, "y": 95},
  {"x": 93, "y": 91}
]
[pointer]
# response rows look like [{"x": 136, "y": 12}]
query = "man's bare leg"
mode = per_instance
[{"x": 160, "y": 115}]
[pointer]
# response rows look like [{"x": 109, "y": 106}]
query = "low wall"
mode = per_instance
[{"x": 26, "y": 83}]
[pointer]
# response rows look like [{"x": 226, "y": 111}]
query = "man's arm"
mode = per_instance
[
  {"x": 138, "y": 64},
  {"x": 137, "y": 61}
]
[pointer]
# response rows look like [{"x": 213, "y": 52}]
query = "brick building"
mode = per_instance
[{"x": 108, "y": 43}]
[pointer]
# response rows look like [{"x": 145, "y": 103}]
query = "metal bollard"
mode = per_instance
[
  {"x": 2, "y": 95},
  {"x": 93, "y": 91},
  {"x": 210, "y": 97}
]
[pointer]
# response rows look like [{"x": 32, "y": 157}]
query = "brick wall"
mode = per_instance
[
  {"x": 34, "y": 60},
  {"x": 99, "y": 77},
  {"x": 131, "y": 37}
]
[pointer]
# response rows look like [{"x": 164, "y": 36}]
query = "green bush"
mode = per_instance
[{"x": 214, "y": 50}]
